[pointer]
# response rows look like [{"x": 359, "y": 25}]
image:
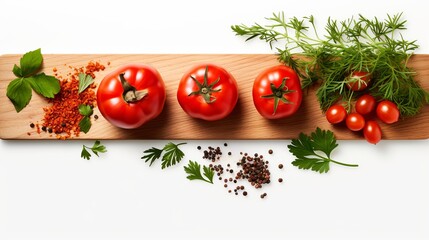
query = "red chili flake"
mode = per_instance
[{"x": 62, "y": 117}]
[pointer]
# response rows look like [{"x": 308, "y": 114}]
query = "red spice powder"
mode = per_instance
[{"x": 62, "y": 117}]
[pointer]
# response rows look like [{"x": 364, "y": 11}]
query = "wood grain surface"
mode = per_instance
[{"x": 173, "y": 123}]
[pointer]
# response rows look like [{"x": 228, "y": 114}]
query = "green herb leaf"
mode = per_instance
[
  {"x": 84, "y": 81},
  {"x": 85, "y": 124},
  {"x": 172, "y": 155},
  {"x": 194, "y": 172},
  {"x": 85, "y": 154},
  {"x": 152, "y": 155},
  {"x": 31, "y": 62},
  {"x": 19, "y": 92},
  {"x": 96, "y": 149},
  {"x": 17, "y": 71},
  {"x": 85, "y": 110},
  {"x": 307, "y": 150},
  {"x": 208, "y": 173},
  {"x": 324, "y": 141},
  {"x": 44, "y": 85}
]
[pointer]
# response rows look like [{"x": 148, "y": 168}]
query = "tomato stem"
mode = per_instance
[
  {"x": 278, "y": 93},
  {"x": 205, "y": 90},
  {"x": 130, "y": 93}
]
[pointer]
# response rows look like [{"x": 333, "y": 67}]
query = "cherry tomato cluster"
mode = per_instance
[
  {"x": 385, "y": 110},
  {"x": 134, "y": 94}
]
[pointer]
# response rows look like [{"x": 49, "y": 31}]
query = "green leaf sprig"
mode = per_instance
[
  {"x": 308, "y": 151},
  {"x": 19, "y": 90},
  {"x": 85, "y": 81},
  {"x": 85, "y": 123},
  {"x": 362, "y": 44},
  {"x": 96, "y": 148},
  {"x": 194, "y": 172},
  {"x": 172, "y": 155}
]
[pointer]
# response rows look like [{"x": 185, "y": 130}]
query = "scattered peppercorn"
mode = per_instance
[
  {"x": 225, "y": 144},
  {"x": 212, "y": 154},
  {"x": 255, "y": 170},
  {"x": 32, "y": 125},
  {"x": 95, "y": 116}
]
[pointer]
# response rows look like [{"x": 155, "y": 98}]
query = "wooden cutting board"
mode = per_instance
[{"x": 173, "y": 123}]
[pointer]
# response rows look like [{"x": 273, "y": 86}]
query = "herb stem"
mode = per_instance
[
  {"x": 344, "y": 164},
  {"x": 339, "y": 163}
]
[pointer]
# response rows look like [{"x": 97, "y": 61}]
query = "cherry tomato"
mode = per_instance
[
  {"x": 336, "y": 114},
  {"x": 358, "y": 80},
  {"x": 372, "y": 132},
  {"x": 387, "y": 112},
  {"x": 365, "y": 104},
  {"x": 207, "y": 92},
  {"x": 277, "y": 92},
  {"x": 355, "y": 122},
  {"x": 131, "y": 95}
]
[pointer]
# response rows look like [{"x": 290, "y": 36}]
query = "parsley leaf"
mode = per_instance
[
  {"x": 194, "y": 172},
  {"x": 85, "y": 123},
  {"x": 96, "y": 148},
  {"x": 85, "y": 110},
  {"x": 19, "y": 90},
  {"x": 208, "y": 173},
  {"x": 307, "y": 150},
  {"x": 84, "y": 81},
  {"x": 85, "y": 154},
  {"x": 172, "y": 155},
  {"x": 151, "y": 155}
]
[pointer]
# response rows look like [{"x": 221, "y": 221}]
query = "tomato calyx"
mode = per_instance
[
  {"x": 130, "y": 93},
  {"x": 279, "y": 94},
  {"x": 205, "y": 90},
  {"x": 358, "y": 80}
]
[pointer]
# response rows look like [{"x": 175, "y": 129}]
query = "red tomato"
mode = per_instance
[
  {"x": 336, "y": 114},
  {"x": 365, "y": 104},
  {"x": 131, "y": 95},
  {"x": 207, "y": 92},
  {"x": 358, "y": 80},
  {"x": 277, "y": 92},
  {"x": 355, "y": 122},
  {"x": 387, "y": 112},
  {"x": 372, "y": 132}
]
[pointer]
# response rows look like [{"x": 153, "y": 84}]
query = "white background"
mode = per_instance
[{"x": 48, "y": 192}]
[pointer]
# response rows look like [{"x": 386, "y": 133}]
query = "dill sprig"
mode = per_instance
[{"x": 362, "y": 44}]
